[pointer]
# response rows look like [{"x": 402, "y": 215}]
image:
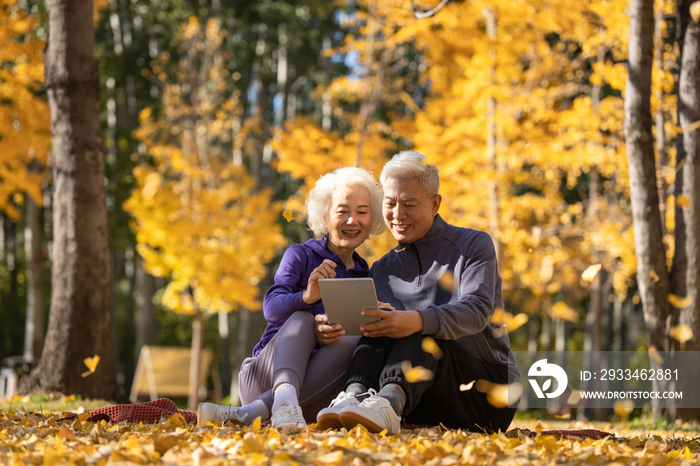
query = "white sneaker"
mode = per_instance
[
  {"x": 375, "y": 413},
  {"x": 210, "y": 412},
  {"x": 328, "y": 418},
  {"x": 288, "y": 418}
]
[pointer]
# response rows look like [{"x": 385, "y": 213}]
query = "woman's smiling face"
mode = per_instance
[{"x": 349, "y": 217}]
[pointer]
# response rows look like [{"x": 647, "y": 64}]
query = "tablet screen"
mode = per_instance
[{"x": 345, "y": 298}]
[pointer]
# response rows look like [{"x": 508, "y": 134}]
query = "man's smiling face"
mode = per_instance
[{"x": 409, "y": 211}]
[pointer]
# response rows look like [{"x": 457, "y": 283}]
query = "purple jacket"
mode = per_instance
[{"x": 285, "y": 296}]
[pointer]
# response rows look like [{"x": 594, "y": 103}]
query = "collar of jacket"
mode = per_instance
[
  {"x": 320, "y": 247},
  {"x": 430, "y": 241}
]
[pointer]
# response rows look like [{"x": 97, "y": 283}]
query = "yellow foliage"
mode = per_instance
[
  {"x": 199, "y": 218},
  {"x": 24, "y": 117}
]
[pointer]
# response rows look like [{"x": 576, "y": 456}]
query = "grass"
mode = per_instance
[{"x": 55, "y": 403}]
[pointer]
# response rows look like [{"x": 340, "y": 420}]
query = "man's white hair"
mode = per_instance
[
  {"x": 318, "y": 205},
  {"x": 409, "y": 164}
]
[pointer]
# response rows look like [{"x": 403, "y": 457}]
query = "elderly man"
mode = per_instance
[{"x": 443, "y": 282}]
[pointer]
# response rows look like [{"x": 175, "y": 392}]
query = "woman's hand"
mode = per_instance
[
  {"x": 326, "y": 270},
  {"x": 325, "y": 333}
]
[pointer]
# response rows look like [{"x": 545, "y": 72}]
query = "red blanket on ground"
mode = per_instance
[
  {"x": 148, "y": 413},
  {"x": 153, "y": 411}
]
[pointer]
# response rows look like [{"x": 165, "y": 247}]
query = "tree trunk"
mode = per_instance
[
  {"x": 689, "y": 113},
  {"x": 79, "y": 320},
  {"x": 652, "y": 275},
  {"x": 34, "y": 327},
  {"x": 145, "y": 317},
  {"x": 197, "y": 330}
]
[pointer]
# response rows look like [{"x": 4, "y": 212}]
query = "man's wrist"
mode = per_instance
[{"x": 418, "y": 322}]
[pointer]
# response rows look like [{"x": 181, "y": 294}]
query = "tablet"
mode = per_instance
[{"x": 345, "y": 298}]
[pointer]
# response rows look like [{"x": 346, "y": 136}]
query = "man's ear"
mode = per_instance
[{"x": 437, "y": 200}]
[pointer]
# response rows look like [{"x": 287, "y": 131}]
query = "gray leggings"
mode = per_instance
[{"x": 287, "y": 358}]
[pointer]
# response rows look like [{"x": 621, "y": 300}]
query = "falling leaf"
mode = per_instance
[
  {"x": 430, "y": 346},
  {"x": 561, "y": 311},
  {"x": 563, "y": 416},
  {"x": 500, "y": 395},
  {"x": 507, "y": 322},
  {"x": 682, "y": 200},
  {"x": 416, "y": 374},
  {"x": 590, "y": 273},
  {"x": 574, "y": 397},
  {"x": 623, "y": 408},
  {"x": 447, "y": 280},
  {"x": 654, "y": 276},
  {"x": 547, "y": 269},
  {"x": 678, "y": 302},
  {"x": 288, "y": 215},
  {"x": 91, "y": 364},
  {"x": 669, "y": 174},
  {"x": 499, "y": 316},
  {"x": 682, "y": 333},
  {"x": 655, "y": 356},
  {"x": 468, "y": 386}
]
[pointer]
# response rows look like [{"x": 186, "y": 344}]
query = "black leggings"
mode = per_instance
[{"x": 377, "y": 362}]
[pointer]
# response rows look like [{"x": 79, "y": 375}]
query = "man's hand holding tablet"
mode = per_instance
[{"x": 344, "y": 299}]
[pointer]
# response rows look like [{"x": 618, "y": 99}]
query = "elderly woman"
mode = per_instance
[{"x": 300, "y": 359}]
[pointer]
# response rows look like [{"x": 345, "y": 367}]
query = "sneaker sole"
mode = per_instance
[
  {"x": 350, "y": 420},
  {"x": 199, "y": 415},
  {"x": 329, "y": 421}
]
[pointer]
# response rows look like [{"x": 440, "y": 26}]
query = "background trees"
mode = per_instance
[{"x": 218, "y": 117}]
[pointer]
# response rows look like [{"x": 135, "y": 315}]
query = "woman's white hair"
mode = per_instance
[
  {"x": 318, "y": 205},
  {"x": 409, "y": 164}
]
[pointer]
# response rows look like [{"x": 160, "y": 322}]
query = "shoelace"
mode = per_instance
[
  {"x": 376, "y": 401},
  {"x": 225, "y": 415},
  {"x": 371, "y": 392}
]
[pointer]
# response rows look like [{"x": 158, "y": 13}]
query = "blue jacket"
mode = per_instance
[
  {"x": 292, "y": 276},
  {"x": 451, "y": 277}
]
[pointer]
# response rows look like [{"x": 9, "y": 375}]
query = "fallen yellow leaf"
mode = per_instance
[
  {"x": 430, "y": 346},
  {"x": 175, "y": 421},
  {"x": 590, "y": 273},
  {"x": 65, "y": 433},
  {"x": 91, "y": 364},
  {"x": 678, "y": 302}
]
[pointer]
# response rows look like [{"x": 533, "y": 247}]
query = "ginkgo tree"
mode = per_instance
[
  {"x": 24, "y": 115},
  {"x": 200, "y": 219}
]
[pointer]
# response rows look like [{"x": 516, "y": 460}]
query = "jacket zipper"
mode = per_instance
[{"x": 420, "y": 264}]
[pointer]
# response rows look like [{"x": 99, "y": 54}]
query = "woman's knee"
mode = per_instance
[{"x": 303, "y": 316}]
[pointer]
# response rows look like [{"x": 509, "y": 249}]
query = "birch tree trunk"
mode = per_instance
[
  {"x": 689, "y": 118},
  {"x": 34, "y": 327},
  {"x": 80, "y": 319},
  {"x": 652, "y": 274}
]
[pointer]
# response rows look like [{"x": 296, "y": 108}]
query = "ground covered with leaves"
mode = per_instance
[{"x": 34, "y": 438}]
